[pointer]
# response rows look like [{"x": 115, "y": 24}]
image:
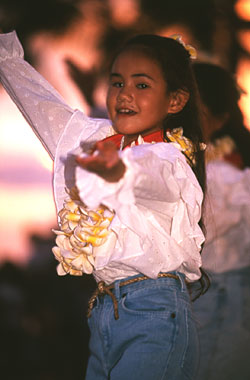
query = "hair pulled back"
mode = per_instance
[{"x": 174, "y": 61}]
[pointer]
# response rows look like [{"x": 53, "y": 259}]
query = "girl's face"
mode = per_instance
[{"x": 137, "y": 98}]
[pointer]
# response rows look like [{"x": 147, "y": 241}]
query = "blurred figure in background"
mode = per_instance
[{"x": 223, "y": 314}]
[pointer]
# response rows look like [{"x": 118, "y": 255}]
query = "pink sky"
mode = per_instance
[{"x": 27, "y": 204}]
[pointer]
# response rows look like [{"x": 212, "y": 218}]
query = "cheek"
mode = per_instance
[
  {"x": 158, "y": 109},
  {"x": 155, "y": 104},
  {"x": 146, "y": 103}
]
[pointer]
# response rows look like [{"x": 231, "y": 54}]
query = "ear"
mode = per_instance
[{"x": 178, "y": 100}]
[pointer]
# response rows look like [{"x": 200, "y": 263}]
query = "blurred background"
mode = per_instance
[{"x": 43, "y": 332}]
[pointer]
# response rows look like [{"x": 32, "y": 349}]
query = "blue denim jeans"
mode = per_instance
[
  {"x": 155, "y": 336},
  {"x": 223, "y": 320}
]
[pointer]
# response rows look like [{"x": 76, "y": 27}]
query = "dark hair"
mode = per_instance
[
  {"x": 176, "y": 67},
  {"x": 220, "y": 93}
]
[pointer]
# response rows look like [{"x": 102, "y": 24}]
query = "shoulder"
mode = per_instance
[{"x": 163, "y": 157}]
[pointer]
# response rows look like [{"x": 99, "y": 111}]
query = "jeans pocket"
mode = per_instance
[{"x": 153, "y": 302}]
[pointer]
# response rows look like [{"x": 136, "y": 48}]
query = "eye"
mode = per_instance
[
  {"x": 142, "y": 86},
  {"x": 117, "y": 84}
]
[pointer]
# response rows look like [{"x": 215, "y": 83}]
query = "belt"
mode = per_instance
[{"x": 103, "y": 289}]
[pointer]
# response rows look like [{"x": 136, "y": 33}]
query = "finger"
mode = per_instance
[
  {"x": 109, "y": 152},
  {"x": 90, "y": 160},
  {"x": 104, "y": 157},
  {"x": 94, "y": 164}
]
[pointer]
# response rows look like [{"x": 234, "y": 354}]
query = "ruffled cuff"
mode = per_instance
[{"x": 10, "y": 46}]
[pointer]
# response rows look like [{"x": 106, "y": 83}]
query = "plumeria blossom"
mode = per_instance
[
  {"x": 182, "y": 143},
  {"x": 192, "y": 51},
  {"x": 81, "y": 229},
  {"x": 140, "y": 141}
]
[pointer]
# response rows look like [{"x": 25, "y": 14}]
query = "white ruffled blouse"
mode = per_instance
[{"x": 157, "y": 203}]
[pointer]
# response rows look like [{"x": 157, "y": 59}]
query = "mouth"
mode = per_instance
[{"x": 125, "y": 112}]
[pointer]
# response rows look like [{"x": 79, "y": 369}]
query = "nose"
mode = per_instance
[{"x": 125, "y": 93}]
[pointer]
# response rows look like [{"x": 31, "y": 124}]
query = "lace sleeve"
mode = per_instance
[{"x": 42, "y": 107}]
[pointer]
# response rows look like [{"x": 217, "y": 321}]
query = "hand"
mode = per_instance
[{"x": 104, "y": 162}]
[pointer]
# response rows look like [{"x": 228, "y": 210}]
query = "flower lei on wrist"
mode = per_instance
[{"x": 80, "y": 231}]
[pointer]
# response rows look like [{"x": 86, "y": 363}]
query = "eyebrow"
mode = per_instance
[{"x": 133, "y": 75}]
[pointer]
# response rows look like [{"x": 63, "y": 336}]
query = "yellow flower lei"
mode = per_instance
[
  {"x": 183, "y": 143},
  {"x": 80, "y": 231}
]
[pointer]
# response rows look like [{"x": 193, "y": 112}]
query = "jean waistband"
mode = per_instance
[{"x": 119, "y": 285}]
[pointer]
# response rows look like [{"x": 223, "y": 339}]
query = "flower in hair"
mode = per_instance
[
  {"x": 80, "y": 231},
  {"x": 192, "y": 51}
]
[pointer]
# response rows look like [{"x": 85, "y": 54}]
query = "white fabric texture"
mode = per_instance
[
  {"x": 227, "y": 211},
  {"x": 43, "y": 108},
  {"x": 157, "y": 203}
]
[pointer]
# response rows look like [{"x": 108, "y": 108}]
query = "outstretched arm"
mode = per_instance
[{"x": 43, "y": 108}]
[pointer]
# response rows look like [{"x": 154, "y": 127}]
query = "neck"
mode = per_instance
[{"x": 128, "y": 139}]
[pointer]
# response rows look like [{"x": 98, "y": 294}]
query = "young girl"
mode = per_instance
[{"x": 129, "y": 196}]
